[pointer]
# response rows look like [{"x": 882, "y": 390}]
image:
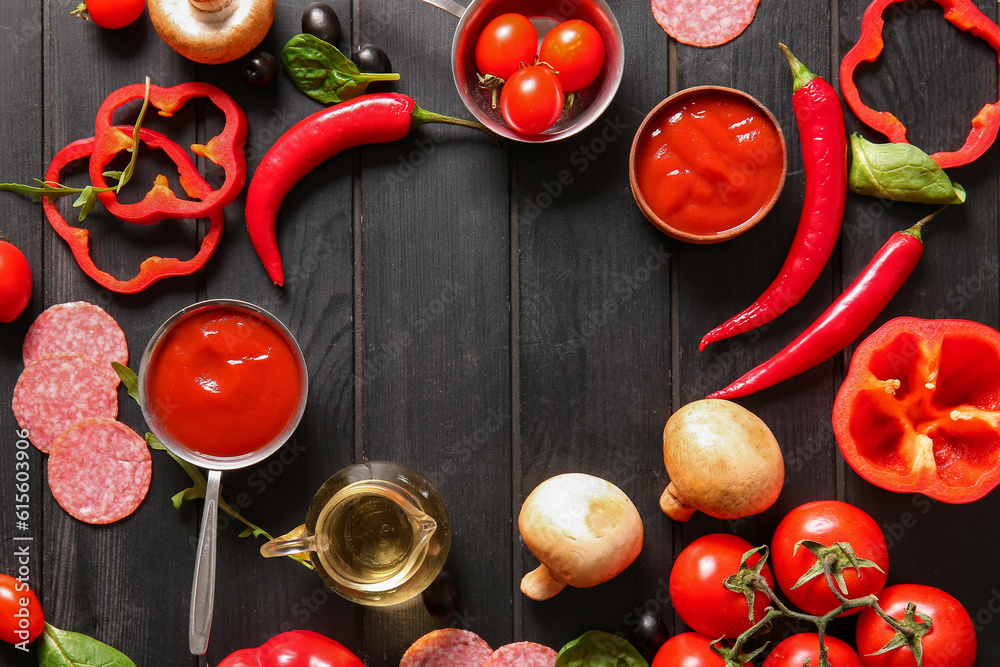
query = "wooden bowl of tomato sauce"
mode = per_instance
[{"x": 707, "y": 164}]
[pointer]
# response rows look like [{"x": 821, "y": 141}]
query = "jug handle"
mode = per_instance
[
  {"x": 295, "y": 542},
  {"x": 449, "y": 6}
]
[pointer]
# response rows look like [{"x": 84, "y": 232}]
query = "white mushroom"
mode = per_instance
[
  {"x": 212, "y": 31},
  {"x": 584, "y": 530}
]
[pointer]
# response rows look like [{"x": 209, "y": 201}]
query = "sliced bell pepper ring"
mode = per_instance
[
  {"x": 154, "y": 268},
  {"x": 964, "y": 15},
  {"x": 296, "y": 648},
  {"x": 225, "y": 150},
  {"x": 919, "y": 410}
]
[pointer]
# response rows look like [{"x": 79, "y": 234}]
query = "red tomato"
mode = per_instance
[
  {"x": 506, "y": 43},
  {"x": 575, "y": 50},
  {"x": 803, "y": 649},
  {"x": 687, "y": 650},
  {"x": 951, "y": 641},
  {"x": 114, "y": 13},
  {"x": 15, "y": 282},
  {"x": 827, "y": 522},
  {"x": 697, "y": 591},
  {"x": 21, "y": 618},
  {"x": 532, "y": 99}
]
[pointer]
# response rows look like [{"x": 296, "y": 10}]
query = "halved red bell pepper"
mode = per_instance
[
  {"x": 919, "y": 409},
  {"x": 296, "y": 648}
]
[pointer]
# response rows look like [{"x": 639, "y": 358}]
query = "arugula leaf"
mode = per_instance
[
  {"x": 323, "y": 73},
  {"x": 901, "y": 172},
  {"x": 61, "y": 648},
  {"x": 599, "y": 649}
]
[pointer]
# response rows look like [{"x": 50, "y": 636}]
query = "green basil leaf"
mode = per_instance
[
  {"x": 128, "y": 378},
  {"x": 900, "y": 172},
  {"x": 323, "y": 73},
  {"x": 60, "y": 648},
  {"x": 599, "y": 649}
]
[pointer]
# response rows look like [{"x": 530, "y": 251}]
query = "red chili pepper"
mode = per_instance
[
  {"x": 367, "y": 119},
  {"x": 296, "y": 648},
  {"x": 154, "y": 268},
  {"x": 919, "y": 410},
  {"x": 844, "y": 320},
  {"x": 964, "y": 15},
  {"x": 824, "y": 155},
  {"x": 225, "y": 150}
]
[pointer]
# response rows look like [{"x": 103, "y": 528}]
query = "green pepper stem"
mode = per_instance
[
  {"x": 422, "y": 116},
  {"x": 802, "y": 76}
]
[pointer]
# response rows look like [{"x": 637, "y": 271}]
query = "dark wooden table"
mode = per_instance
[{"x": 460, "y": 317}]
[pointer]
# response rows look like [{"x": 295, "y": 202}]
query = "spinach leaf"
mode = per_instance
[
  {"x": 323, "y": 73},
  {"x": 900, "y": 172},
  {"x": 599, "y": 649},
  {"x": 61, "y": 648}
]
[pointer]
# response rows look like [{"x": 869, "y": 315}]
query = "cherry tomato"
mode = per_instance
[
  {"x": 505, "y": 44},
  {"x": 575, "y": 50},
  {"x": 21, "y": 618},
  {"x": 114, "y": 14},
  {"x": 15, "y": 282},
  {"x": 698, "y": 593},
  {"x": 827, "y": 522},
  {"x": 687, "y": 650},
  {"x": 532, "y": 99},
  {"x": 803, "y": 649},
  {"x": 951, "y": 641}
]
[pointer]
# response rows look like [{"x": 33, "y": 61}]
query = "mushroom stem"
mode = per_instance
[
  {"x": 213, "y": 11},
  {"x": 672, "y": 506},
  {"x": 540, "y": 585}
]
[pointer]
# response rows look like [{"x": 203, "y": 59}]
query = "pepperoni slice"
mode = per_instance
[
  {"x": 449, "y": 647},
  {"x": 522, "y": 654},
  {"x": 99, "y": 470},
  {"x": 58, "y": 390},
  {"x": 78, "y": 327},
  {"x": 704, "y": 22}
]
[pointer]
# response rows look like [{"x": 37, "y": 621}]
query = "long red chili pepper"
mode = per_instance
[
  {"x": 367, "y": 119},
  {"x": 845, "y": 319},
  {"x": 824, "y": 155}
]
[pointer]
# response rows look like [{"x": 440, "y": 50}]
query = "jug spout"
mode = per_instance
[{"x": 295, "y": 542}]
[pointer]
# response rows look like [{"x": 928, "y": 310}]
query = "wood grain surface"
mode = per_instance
[{"x": 488, "y": 315}]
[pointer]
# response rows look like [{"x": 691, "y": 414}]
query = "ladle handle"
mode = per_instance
[
  {"x": 449, "y": 6},
  {"x": 203, "y": 588}
]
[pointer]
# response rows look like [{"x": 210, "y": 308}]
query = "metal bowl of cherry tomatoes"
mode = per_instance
[{"x": 536, "y": 71}]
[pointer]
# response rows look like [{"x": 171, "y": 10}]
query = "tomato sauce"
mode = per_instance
[
  {"x": 224, "y": 382},
  {"x": 709, "y": 162}
]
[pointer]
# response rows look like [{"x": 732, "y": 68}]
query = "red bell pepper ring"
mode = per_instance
[
  {"x": 296, "y": 648},
  {"x": 225, "y": 150},
  {"x": 919, "y": 410},
  {"x": 964, "y": 15},
  {"x": 154, "y": 268}
]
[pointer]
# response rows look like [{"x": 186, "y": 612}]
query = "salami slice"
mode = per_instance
[
  {"x": 522, "y": 654},
  {"x": 99, "y": 470},
  {"x": 704, "y": 22},
  {"x": 59, "y": 389},
  {"x": 449, "y": 647},
  {"x": 78, "y": 327}
]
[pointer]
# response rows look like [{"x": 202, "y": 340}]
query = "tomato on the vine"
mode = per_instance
[
  {"x": 828, "y": 522},
  {"x": 687, "y": 650},
  {"x": 505, "y": 44},
  {"x": 803, "y": 649},
  {"x": 112, "y": 14},
  {"x": 698, "y": 592},
  {"x": 15, "y": 281},
  {"x": 950, "y": 642},
  {"x": 532, "y": 99},
  {"x": 21, "y": 617},
  {"x": 575, "y": 50}
]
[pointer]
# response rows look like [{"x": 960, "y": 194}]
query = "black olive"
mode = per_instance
[
  {"x": 259, "y": 68},
  {"x": 650, "y": 632},
  {"x": 441, "y": 597},
  {"x": 372, "y": 60},
  {"x": 319, "y": 20}
]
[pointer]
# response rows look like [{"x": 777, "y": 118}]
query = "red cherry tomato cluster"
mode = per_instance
[
  {"x": 534, "y": 78},
  {"x": 15, "y": 281},
  {"x": 712, "y": 611}
]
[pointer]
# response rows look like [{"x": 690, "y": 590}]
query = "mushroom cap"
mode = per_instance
[
  {"x": 212, "y": 42},
  {"x": 583, "y": 529},
  {"x": 722, "y": 459}
]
